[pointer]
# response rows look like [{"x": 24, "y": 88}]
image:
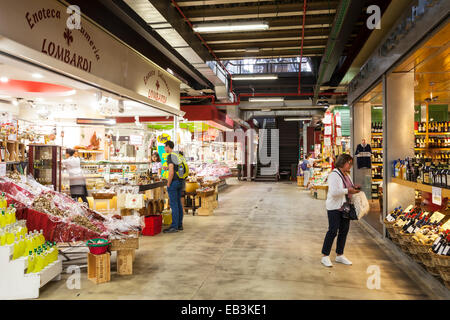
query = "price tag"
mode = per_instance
[
  {"x": 409, "y": 208},
  {"x": 436, "y": 217},
  {"x": 410, "y": 229},
  {"x": 327, "y": 131},
  {"x": 2, "y": 169},
  {"x": 437, "y": 195},
  {"x": 446, "y": 225}
]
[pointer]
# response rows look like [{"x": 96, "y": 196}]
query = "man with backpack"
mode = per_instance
[{"x": 178, "y": 171}]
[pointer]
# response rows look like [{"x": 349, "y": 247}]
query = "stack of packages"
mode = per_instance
[{"x": 61, "y": 218}]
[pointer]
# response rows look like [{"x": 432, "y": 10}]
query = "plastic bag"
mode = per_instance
[{"x": 361, "y": 204}]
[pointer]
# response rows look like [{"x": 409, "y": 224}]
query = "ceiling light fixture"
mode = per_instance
[
  {"x": 231, "y": 27},
  {"x": 262, "y": 99},
  {"x": 37, "y": 75},
  {"x": 252, "y": 50},
  {"x": 297, "y": 119},
  {"x": 4, "y": 79},
  {"x": 256, "y": 77}
]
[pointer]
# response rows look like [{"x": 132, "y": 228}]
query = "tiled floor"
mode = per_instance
[{"x": 263, "y": 242}]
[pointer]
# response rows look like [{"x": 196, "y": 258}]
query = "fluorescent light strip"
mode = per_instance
[
  {"x": 230, "y": 27},
  {"x": 297, "y": 119},
  {"x": 256, "y": 77},
  {"x": 274, "y": 99}
]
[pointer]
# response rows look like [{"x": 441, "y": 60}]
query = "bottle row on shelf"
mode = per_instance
[
  {"x": 377, "y": 127},
  {"x": 377, "y": 157},
  {"x": 377, "y": 172},
  {"x": 434, "y": 127},
  {"x": 420, "y": 171},
  {"x": 439, "y": 157},
  {"x": 433, "y": 143},
  {"x": 377, "y": 142}
]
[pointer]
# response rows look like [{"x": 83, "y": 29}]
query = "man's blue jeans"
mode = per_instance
[{"x": 175, "y": 203}]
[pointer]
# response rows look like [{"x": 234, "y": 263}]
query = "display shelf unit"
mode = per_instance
[
  {"x": 420, "y": 186},
  {"x": 16, "y": 284},
  {"x": 44, "y": 164}
]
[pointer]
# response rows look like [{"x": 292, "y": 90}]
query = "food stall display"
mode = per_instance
[{"x": 45, "y": 164}]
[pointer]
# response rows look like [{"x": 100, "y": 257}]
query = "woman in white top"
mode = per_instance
[
  {"x": 340, "y": 186},
  {"x": 76, "y": 177}
]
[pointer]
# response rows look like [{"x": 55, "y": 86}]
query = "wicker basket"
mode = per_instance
[
  {"x": 426, "y": 260},
  {"x": 439, "y": 260},
  {"x": 433, "y": 271},
  {"x": 445, "y": 273},
  {"x": 447, "y": 284},
  {"x": 421, "y": 248}
]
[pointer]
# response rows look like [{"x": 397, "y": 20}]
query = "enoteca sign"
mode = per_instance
[{"x": 42, "y": 26}]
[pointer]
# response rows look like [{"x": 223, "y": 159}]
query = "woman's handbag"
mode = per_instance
[{"x": 348, "y": 208}]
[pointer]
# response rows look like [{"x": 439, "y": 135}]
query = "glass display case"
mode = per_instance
[
  {"x": 44, "y": 164},
  {"x": 100, "y": 173}
]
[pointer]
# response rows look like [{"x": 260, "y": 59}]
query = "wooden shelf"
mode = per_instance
[
  {"x": 89, "y": 151},
  {"x": 377, "y": 133},
  {"x": 432, "y": 133},
  {"x": 377, "y": 164},
  {"x": 377, "y": 149},
  {"x": 431, "y": 149},
  {"x": 420, "y": 186},
  {"x": 377, "y": 179}
]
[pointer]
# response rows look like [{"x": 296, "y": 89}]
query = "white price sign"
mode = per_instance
[
  {"x": 437, "y": 195},
  {"x": 327, "y": 131},
  {"x": 136, "y": 140}
]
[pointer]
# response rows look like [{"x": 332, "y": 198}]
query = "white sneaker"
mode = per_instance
[
  {"x": 326, "y": 261},
  {"x": 344, "y": 260}
]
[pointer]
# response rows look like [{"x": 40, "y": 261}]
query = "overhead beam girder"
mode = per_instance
[
  {"x": 173, "y": 17},
  {"x": 264, "y": 35},
  {"x": 268, "y": 44},
  {"x": 231, "y": 12}
]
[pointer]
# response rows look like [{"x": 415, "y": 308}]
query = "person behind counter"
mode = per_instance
[
  {"x": 156, "y": 164},
  {"x": 77, "y": 180}
]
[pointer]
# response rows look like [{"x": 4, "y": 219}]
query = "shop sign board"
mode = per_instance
[
  {"x": 136, "y": 140},
  {"x": 43, "y": 26}
]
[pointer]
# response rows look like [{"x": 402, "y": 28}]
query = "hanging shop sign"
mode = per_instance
[
  {"x": 44, "y": 26},
  {"x": 163, "y": 138}
]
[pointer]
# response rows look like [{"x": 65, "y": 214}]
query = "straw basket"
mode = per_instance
[
  {"x": 390, "y": 230},
  {"x": 440, "y": 260}
]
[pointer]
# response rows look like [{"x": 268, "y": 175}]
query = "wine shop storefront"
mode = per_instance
[{"x": 400, "y": 107}]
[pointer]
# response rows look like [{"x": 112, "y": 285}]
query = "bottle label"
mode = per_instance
[
  {"x": 410, "y": 229},
  {"x": 447, "y": 248},
  {"x": 441, "y": 249}
]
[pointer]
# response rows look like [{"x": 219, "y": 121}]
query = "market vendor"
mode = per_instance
[{"x": 77, "y": 180}]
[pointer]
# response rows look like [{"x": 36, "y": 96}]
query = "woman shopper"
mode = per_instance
[{"x": 340, "y": 189}]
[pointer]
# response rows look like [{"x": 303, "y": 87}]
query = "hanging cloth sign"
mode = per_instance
[
  {"x": 327, "y": 141},
  {"x": 327, "y": 118},
  {"x": 338, "y": 119},
  {"x": 338, "y": 132},
  {"x": 328, "y": 131}
]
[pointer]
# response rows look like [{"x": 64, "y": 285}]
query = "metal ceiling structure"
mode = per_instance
[{"x": 329, "y": 34}]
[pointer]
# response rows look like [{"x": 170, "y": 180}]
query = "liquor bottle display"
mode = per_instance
[
  {"x": 421, "y": 170},
  {"x": 377, "y": 127}
]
